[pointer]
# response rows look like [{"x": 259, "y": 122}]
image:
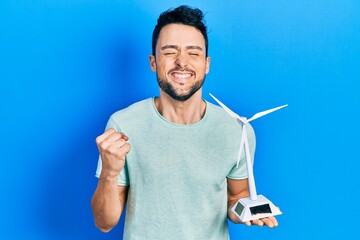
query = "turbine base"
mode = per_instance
[{"x": 247, "y": 209}]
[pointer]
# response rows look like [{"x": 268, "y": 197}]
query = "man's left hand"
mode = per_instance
[{"x": 269, "y": 222}]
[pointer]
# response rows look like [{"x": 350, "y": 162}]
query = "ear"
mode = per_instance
[
  {"x": 152, "y": 62},
  {"x": 207, "y": 65}
]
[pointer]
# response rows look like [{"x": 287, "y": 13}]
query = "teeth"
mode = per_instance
[{"x": 182, "y": 75}]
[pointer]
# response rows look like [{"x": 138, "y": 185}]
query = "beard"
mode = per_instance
[{"x": 171, "y": 91}]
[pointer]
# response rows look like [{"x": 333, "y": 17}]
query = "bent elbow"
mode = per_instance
[
  {"x": 104, "y": 230},
  {"x": 105, "y": 227}
]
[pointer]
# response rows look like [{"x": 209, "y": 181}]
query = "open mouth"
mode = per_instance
[{"x": 181, "y": 77}]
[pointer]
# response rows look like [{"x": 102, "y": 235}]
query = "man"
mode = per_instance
[{"x": 172, "y": 159}]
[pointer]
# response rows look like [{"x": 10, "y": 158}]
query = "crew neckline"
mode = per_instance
[{"x": 178, "y": 125}]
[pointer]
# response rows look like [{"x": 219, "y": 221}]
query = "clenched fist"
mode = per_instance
[{"x": 113, "y": 147}]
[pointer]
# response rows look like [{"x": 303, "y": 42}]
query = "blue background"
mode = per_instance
[{"x": 65, "y": 66}]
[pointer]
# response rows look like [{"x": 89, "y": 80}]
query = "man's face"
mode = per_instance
[{"x": 181, "y": 62}]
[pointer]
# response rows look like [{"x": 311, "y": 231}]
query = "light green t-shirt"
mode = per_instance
[{"x": 177, "y": 174}]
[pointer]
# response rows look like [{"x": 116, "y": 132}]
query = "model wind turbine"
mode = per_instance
[{"x": 255, "y": 206}]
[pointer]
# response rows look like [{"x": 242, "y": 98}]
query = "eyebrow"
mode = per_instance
[
  {"x": 194, "y": 47},
  {"x": 177, "y": 47},
  {"x": 169, "y": 46}
]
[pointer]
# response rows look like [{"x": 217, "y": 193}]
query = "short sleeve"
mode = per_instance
[
  {"x": 241, "y": 171},
  {"x": 123, "y": 176}
]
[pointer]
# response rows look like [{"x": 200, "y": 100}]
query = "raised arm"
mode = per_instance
[{"x": 109, "y": 198}]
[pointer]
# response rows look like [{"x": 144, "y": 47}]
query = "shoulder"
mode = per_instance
[
  {"x": 224, "y": 121},
  {"x": 132, "y": 115},
  {"x": 217, "y": 115},
  {"x": 133, "y": 110}
]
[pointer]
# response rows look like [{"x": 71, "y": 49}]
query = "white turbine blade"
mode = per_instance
[
  {"x": 231, "y": 113},
  {"x": 250, "y": 171},
  {"x": 242, "y": 145},
  {"x": 260, "y": 114}
]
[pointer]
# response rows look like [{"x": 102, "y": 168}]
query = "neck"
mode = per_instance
[{"x": 181, "y": 112}]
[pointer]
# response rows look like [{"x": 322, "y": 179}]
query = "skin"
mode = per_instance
[
  {"x": 109, "y": 199},
  {"x": 181, "y": 64}
]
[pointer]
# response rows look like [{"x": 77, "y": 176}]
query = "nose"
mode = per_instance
[{"x": 181, "y": 60}]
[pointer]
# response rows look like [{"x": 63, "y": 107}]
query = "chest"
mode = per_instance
[{"x": 181, "y": 157}]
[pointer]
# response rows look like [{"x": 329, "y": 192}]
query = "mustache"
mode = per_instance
[{"x": 180, "y": 69}]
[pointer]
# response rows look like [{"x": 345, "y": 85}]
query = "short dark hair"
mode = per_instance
[{"x": 182, "y": 15}]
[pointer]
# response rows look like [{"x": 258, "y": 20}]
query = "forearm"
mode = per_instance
[
  {"x": 231, "y": 216},
  {"x": 107, "y": 203},
  {"x": 237, "y": 189}
]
